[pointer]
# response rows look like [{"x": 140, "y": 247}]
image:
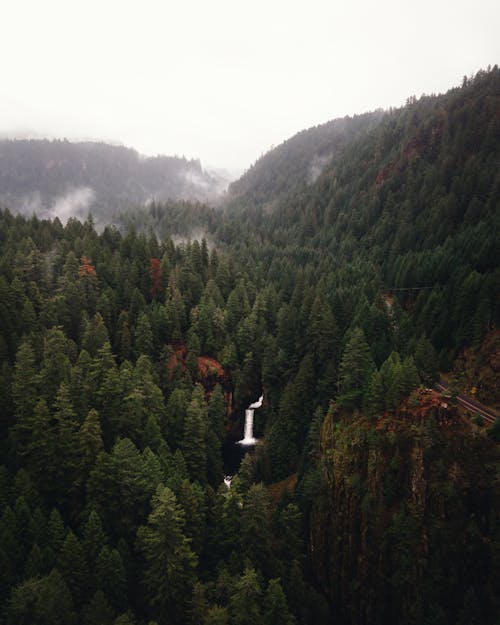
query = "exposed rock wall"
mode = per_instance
[{"x": 406, "y": 528}]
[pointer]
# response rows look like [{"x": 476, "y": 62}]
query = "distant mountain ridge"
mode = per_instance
[{"x": 40, "y": 175}]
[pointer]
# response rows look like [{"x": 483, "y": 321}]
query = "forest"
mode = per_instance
[
  {"x": 40, "y": 175},
  {"x": 347, "y": 270}
]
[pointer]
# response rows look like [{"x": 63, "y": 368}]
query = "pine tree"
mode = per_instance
[
  {"x": 153, "y": 472},
  {"x": 175, "y": 414},
  {"x": 375, "y": 398},
  {"x": 214, "y": 458},
  {"x": 24, "y": 388},
  {"x": 245, "y": 476},
  {"x": 10, "y": 551},
  {"x": 98, "y": 610},
  {"x": 256, "y": 528},
  {"x": 24, "y": 527},
  {"x": 72, "y": 565},
  {"x": 102, "y": 490},
  {"x": 276, "y": 610},
  {"x": 216, "y": 615},
  {"x": 40, "y": 449},
  {"x": 197, "y": 605},
  {"x": 170, "y": 563},
  {"x": 93, "y": 538},
  {"x": 111, "y": 577},
  {"x": 82, "y": 387},
  {"x": 217, "y": 412},
  {"x": 95, "y": 335},
  {"x": 67, "y": 452},
  {"x": 41, "y": 601},
  {"x": 127, "y": 618},
  {"x": 152, "y": 437},
  {"x": 102, "y": 364},
  {"x": 426, "y": 361},
  {"x": 25, "y": 487},
  {"x": 244, "y": 606},
  {"x": 56, "y": 531},
  {"x": 232, "y": 538},
  {"x": 289, "y": 534},
  {"x": 90, "y": 441},
  {"x": 355, "y": 369},
  {"x": 40, "y": 530},
  {"x": 110, "y": 396},
  {"x": 323, "y": 333},
  {"x": 35, "y": 564},
  {"x": 56, "y": 367},
  {"x": 7, "y": 410},
  {"x": 143, "y": 336},
  {"x": 130, "y": 491},
  {"x": 193, "y": 443},
  {"x": 192, "y": 499},
  {"x": 397, "y": 385},
  {"x": 411, "y": 378},
  {"x": 123, "y": 339}
]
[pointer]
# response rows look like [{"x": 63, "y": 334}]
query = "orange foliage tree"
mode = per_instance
[{"x": 156, "y": 276}]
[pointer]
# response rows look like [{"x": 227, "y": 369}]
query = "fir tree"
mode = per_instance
[
  {"x": 72, "y": 565},
  {"x": 244, "y": 606},
  {"x": 193, "y": 444},
  {"x": 355, "y": 369},
  {"x": 170, "y": 563},
  {"x": 275, "y": 611}
]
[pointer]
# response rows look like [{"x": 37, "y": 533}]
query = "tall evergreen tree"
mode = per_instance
[
  {"x": 170, "y": 563},
  {"x": 193, "y": 444},
  {"x": 244, "y": 606},
  {"x": 355, "y": 369},
  {"x": 276, "y": 610},
  {"x": 72, "y": 564},
  {"x": 24, "y": 387}
]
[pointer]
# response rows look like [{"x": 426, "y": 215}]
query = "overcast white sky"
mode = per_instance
[{"x": 223, "y": 80}]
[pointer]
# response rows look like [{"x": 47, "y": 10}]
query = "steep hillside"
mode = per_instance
[
  {"x": 404, "y": 527},
  {"x": 298, "y": 162},
  {"x": 417, "y": 200},
  {"x": 63, "y": 178}
]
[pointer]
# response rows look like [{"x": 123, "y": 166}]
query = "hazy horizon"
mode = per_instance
[{"x": 223, "y": 83}]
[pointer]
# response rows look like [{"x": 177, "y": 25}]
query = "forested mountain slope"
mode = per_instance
[
  {"x": 298, "y": 162},
  {"x": 418, "y": 199},
  {"x": 60, "y": 178}
]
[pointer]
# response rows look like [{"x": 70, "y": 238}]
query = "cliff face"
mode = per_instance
[
  {"x": 405, "y": 527},
  {"x": 476, "y": 370}
]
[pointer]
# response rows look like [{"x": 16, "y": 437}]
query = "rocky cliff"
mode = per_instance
[{"x": 407, "y": 503}]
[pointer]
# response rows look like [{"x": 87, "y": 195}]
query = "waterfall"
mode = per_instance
[{"x": 248, "y": 438}]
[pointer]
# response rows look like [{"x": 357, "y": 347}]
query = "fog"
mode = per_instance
[
  {"x": 195, "y": 234},
  {"x": 317, "y": 165},
  {"x": 76, "y": 202},
  {"x": 223, "y": 81}
]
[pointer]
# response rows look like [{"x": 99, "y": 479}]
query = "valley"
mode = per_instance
[{"x": 307, "y": 312}]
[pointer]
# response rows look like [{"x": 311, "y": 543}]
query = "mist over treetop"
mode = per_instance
[{"x": 49, "y": 178}]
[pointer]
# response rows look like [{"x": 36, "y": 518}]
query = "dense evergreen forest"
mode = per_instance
[
  {"x": 44, "y": 176},
  {"x": 129, "y": 354}
]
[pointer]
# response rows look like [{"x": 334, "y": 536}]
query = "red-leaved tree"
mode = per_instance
[
  {"x": 86, "y": 267},
  {"x": 156, "y": 275}
]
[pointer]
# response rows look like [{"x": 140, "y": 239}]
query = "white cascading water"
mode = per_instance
[{"x": 248, "y": 438}]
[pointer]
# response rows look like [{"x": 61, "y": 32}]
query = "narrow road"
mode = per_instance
[{"x": 470, "y": 404}]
